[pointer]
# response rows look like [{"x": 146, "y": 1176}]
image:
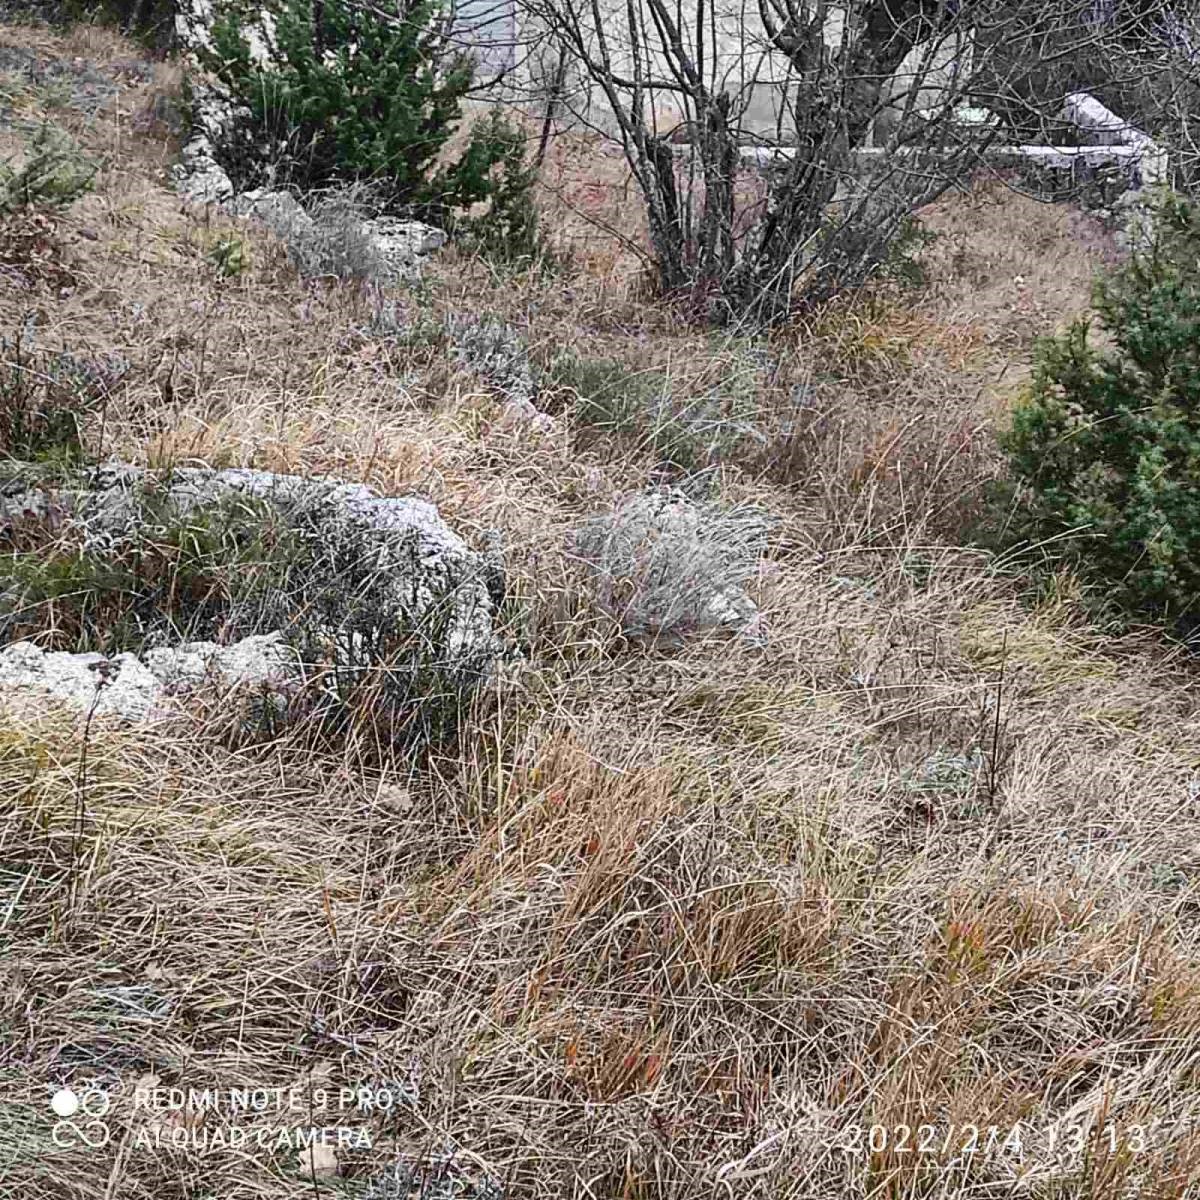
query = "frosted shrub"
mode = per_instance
[{"x": 664, "y": 565}]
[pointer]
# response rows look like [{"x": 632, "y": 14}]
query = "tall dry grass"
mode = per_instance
[{"x": 663, "y": 922}]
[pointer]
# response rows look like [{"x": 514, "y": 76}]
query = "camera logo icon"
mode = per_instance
[{"x": 82, "y": 1117}]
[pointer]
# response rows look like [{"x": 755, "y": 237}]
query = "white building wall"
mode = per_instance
[{"x": 744, "y": 63}]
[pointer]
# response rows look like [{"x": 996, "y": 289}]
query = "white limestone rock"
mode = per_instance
[
  {"x": 193, "y": 28},
  {"x": 261, "y": 660},
  {"x": 135, "y": 690},
  {"x": 118, "y": 687},
  {"x": 403, "y": 243},
  {"x": 335, "y": 238},
  {"x": 280, "y": 212},
  {"x": 199, "y": 179},
  {"x": 419, "y": 573}
]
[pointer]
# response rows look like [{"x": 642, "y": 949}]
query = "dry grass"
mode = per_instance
[{"x": 678, "y": 923}]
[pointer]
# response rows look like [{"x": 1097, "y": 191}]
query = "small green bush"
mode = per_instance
[
  {"x": 507, "y": 232},
  {"x": 230, "y": 255},
  {"x": 349, "y": 96},
  {"x": 172, "y": 578},
  {"x": 685, "y": 426},
  {"x": 44, "y": 398},
  {"x": 1106, "y": 445},
  {"x": 54, "y": 174}
]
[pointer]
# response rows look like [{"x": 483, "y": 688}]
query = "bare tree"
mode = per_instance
[{"x": 831, "y": 77}]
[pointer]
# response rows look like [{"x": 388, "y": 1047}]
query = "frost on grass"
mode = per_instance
[
  {"x": 436, "y": 1179},
  {"x": 495, "y": 352},
  {"x": 498, "y": 355},
  {"x": 664, "y": 565}
]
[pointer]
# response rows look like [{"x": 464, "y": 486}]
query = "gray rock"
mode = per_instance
[
  {"x": 374, "y": 567},
  {"x": 135, "y": 690},
  {"x": 335, "y": 236},
  {"x": 403, "y": 243},
  {"x": 193, "y": 29},
  {"x": 198, "y": 178},
  {"x": 421, "y": 564},
  {"x": 118, "y": 687},
  {"x": 261, "y": 660},
  {"x": 280, "y": 212}
]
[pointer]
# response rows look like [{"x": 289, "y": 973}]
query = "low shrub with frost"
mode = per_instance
[
  {"x": 336, "y": 239},
  {"x": 496, "y": 353},
  {"x": 436, "y": 1179},
  {"x": 664, "y": 565}
]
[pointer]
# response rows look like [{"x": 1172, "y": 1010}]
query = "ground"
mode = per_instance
[{"x": 757, "y": 917}]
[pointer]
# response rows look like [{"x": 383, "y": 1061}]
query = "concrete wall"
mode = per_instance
[{"x": 744, "y": 65}]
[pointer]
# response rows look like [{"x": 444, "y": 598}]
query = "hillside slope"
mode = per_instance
[{"x": 721, "y": 917}]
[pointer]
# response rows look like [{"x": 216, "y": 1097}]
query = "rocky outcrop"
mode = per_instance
[
  {"x": 199, "y": 177},
  {"x": 373, "y": 572},
  {"x": 333, "y": 238},
  {"x": 134, "y": 689},
  {"x": 261, "y": 661},
  {"x": 108, "y": 687}
]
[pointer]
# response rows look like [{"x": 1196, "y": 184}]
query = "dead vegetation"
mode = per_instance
[{"x": 668, "y": 921}]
